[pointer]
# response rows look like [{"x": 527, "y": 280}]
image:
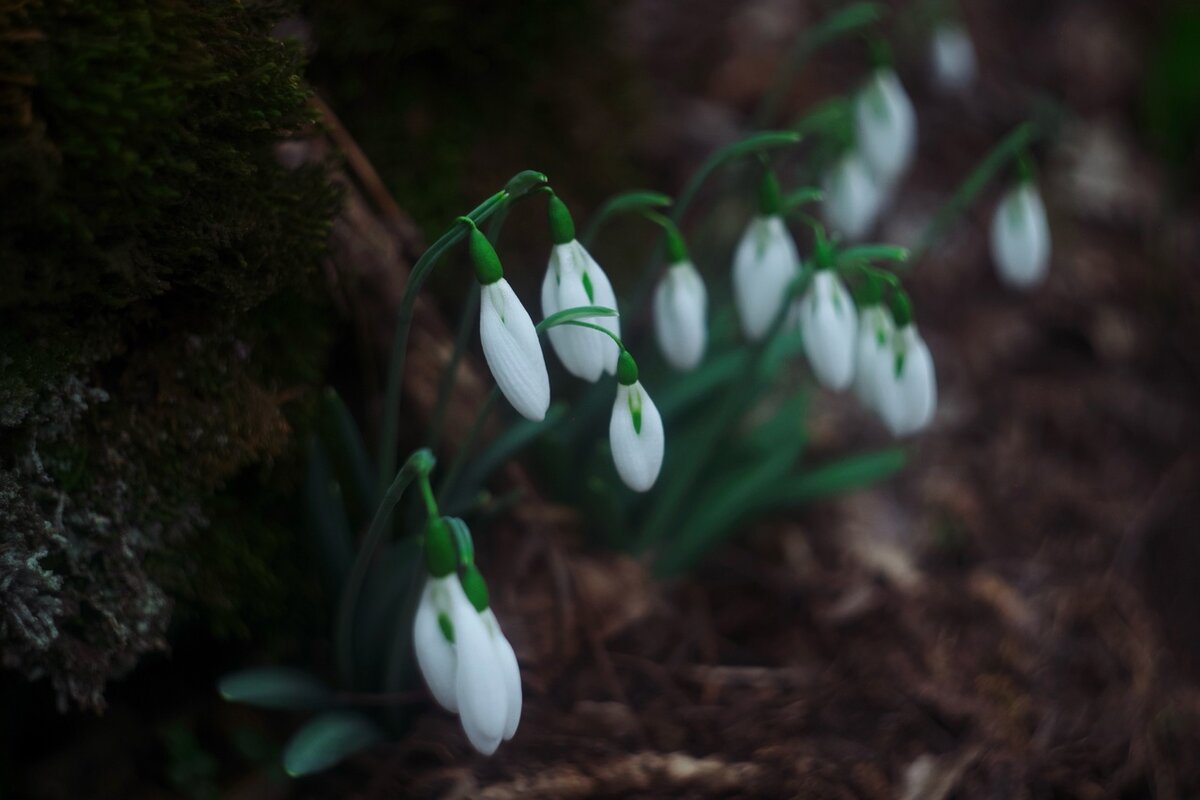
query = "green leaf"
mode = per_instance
[
  {"x": 690, "y": 388},
  {"x": 326, "y": 518},
  {"x": 867, "y": 253},
  {"x": 572, "y": 315},
  {"x": 328, "y": 739},
  {"x": 843, "y": 475},
  {"x": 631, "y": 202},
  {"x": 348, "y": 457},
  {"x": 275, "y": 687},
  {"x": 751, "y": 145},
  {"x": 799, "y": 197}
]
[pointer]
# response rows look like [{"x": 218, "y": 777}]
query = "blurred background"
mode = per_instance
[{"x": 191, "y": 249}]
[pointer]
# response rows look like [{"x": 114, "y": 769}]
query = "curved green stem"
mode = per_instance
[
  {"x": 420, "y": 463},
  {"x": 629, "y": 202},
  {"x": 518, "y": 185},
  {"x": 579, "y": 323},
  {"x": 750, "y": 146}
]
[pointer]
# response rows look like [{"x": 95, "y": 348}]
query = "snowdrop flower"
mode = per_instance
[
  {"x": 635, "y": 431},
  {"x": 763, "y": 264},
  {"x": 852, "y": 198},
  {"x": 872, "y": 352},
  {"x": 574, "y": 279},
  {"x": 953, "y": 58},
  {"x": 463, "y": 655},
  {"x": 510, "y": 342},
  {"x": 907, "y": 391},
  {"x": 829, "y": 324},
  {"x": 680, "y": 305},
  {"x": 1021, "y": 237},
  {"x": 886, "y": 125}
]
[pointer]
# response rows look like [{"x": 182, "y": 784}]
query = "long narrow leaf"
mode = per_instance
[
  {"x": 843, "y": 475},
  {"x": 348, "y": 456},
  {"x": 328, "y": 739},
  {"x": 327, "y": 519},
  {"x": 571, "y": 315},
  {"x": 275, "y": 687},
  {"x": 631, "y": 202},
  {"x": 751, "y": 145}
]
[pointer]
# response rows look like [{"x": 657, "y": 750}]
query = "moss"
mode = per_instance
[{"x": 157, "y": 282}]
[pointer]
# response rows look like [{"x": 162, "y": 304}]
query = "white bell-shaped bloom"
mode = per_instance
[
  {"x": 574, "y": 279},
  {"x": 680, "y": 308},
  {"x": 506, "y": 663},
  {"x": 433, "y": 641},
  {"x": 952, "y": 58},
  {"x": 886, "y": 125},
  {"x": 1021, "y": 237},
  {"x": 852, "y": 198},
  {"x": 764, "y": 264},
  {"x": 829, "y": 326},
  {"x": 907, "y": 392},
  {"x": 873, "y": 353},
  {"x": 512, "y": 350},
  {"x": 635, "y": 433}
]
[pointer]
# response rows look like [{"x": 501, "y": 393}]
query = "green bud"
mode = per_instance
[
  {"x": 439, "y": 549},
  {"x": 474, "y": 587},
  {"x": 901, "y": 308},
  {"x": 881, "y": 54},
  {"x": 627, "y": 371},
  {"x": 483, "y": 256},
  {"x": 1025, "y": 168},
  {"x": 562, "y": 227},
  {"x": 769, "y": 201},
  {"x": 676, "y": 249}
]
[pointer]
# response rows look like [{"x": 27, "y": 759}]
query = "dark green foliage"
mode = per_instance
[{"x": 155, "y": 264}]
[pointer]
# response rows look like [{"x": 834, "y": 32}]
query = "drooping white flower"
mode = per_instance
[
  {"x": 635, "y": 431},
  {"x": 852, "y": 198},
  {"x": 873, "y": 353},
  {"x": 952, "y": 57},
  {"x": 886, "y": 125},
  {"x": 829, "y": 325},
  {"x": 512, "y": 350},
  {"x": 680, "y": 307},
  {"x": 1021, "y": 237},
  {"x": 907, "y": 392},
  {"x": 574, "y": 279},
  {"x": 467, "y": 662},
  {"x": 764, "y": 263}
]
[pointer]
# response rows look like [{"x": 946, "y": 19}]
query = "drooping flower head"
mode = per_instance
[
  {"x": 510, "y": 341},
  {"x": 873, "y": 347},
  {"x": 952, "y": 57},
  {"x": 885, "y": 124},
  {"x": 907, "y": 392},
  {"x": 680, "y": 307},
  {"x": 828, "y": 322},
  {"x": 635, "y": 431},
  {"x": 573, "y": 279},
  {"x": 852, "y": 197},
  {"x": 1020, "y": 235},
  {"x": 764, "y": 263}
]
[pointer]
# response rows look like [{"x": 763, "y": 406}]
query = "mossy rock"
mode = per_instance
[{"x": 163, "y": 325}]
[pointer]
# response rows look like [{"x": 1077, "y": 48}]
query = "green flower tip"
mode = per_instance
[
  {"x": 423, "y": 461},
  {"x": 627, "y": 370},
  {"x": 881, "y": 54},
  {"x": 474, "y": 587},
  {"x": 901, "y": 308},
  {"x": 823, "y": 250},
  {"x": 439, "y": 548},
  {"x": 676, "y": 249},
  {"x": 483, "y": 256},
  {"x": 769, "y": 201},
  {"x": 562, "y": 227}
]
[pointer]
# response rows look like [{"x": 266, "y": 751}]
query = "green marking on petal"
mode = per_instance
[
  {"x": 635, "y": 410},
  {"x": 878, "y": 102},
  {"x": 446, "y": 625},
  {"x": 899, "y": 363},
  {"x": 587, "y": 287}
]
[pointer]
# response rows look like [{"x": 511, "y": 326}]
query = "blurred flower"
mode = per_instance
[
  {"x": 574, "y": 279},
  {"x": 907, "y": 392},
  {"x": 952, "y": 57},
  {"x": 886, "y": 125},
  {"x": 852, "y": 199},
  {"x": 1021, "y": 237},
  {"x": 763, "y": 265},
  {"x": 635, "y": 431},
  {"x": 873, "y": 353},
  {"x": 828, "y": 324},
  {"x": 680, "y": 305}
]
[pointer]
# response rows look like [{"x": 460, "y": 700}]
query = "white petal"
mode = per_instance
[
  {"x": 873, "y": 351},
  {"x": 886, "y": 125},
  {"x": 1021, "y": 237},
  {"x": 829, "y": 325},
  {"x": 435, "y": 655},
  {"x": 602, "y": 295},
  {"x": 852, "y": 199},
  {"x": 479, "y": 684},
  {"x": 512, "y": 350},
  {"x": 909, "y": 396},
  {"x": 763, "y": 265},
  {"x": 637, "y": 450},
  {"x": 581, "y": 351},
  {"x": 680, "y": 307},
  {"x": 953, "y": 58},
  {"x": 506, "y": 660}
]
